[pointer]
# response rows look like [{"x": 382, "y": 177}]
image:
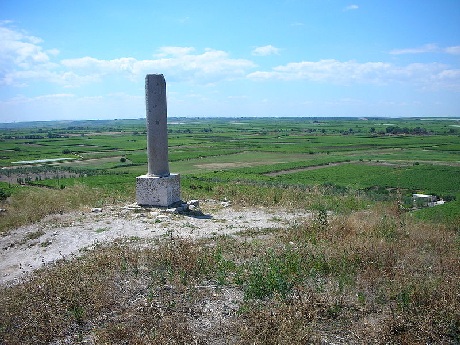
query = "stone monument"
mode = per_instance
[{"x": 158, "y": 187}]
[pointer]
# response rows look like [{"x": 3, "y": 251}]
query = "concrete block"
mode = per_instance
[{"x": 157, "y": 191}]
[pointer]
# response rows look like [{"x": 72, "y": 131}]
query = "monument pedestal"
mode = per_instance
[{"x": 157, "y": 191}]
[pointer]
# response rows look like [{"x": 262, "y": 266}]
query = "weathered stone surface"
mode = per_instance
[
  {"x": 157, "y": 132},
  {"x": 157, "y": 191}
]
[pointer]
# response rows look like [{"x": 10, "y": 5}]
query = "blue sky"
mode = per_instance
[{"x": 88, "y": 59}]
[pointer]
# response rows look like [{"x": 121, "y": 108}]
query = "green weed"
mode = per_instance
[{"x": 275, "y": 273}]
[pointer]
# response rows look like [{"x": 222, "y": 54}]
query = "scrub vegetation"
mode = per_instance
[{"x": 367, "y": 268}]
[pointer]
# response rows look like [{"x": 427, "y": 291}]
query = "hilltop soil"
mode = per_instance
[{"x": 57, "y": 237}]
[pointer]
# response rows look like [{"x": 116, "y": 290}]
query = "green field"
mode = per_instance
[{"x": 377, "y": 156}]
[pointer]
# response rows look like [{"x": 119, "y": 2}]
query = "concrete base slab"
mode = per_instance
[{"x": 157, "y": 191}]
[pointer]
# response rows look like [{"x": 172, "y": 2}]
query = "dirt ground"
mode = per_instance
[{"x": 56, "y": 237}]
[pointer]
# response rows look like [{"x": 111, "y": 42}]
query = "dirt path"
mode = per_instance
[{"x": 57, "y": 237}]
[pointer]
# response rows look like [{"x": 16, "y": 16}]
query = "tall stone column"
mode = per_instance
[
  {"x": 158, "y": 187},
  {"x": 157, "y": 132}
]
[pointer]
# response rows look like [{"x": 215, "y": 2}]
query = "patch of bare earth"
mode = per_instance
[{"x": 58, "y": 237}]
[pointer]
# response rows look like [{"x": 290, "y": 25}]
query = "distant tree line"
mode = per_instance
[
  {"x": 406, "y": 130},
  {"x": 189, "y": 131},
  {"x": 401, "y": 130},
  {"x": 50, "y": 135},
  {"x": 31, "y": 136}
]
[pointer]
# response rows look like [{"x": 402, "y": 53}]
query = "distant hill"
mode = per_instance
[{"x": 72, "y": 124}]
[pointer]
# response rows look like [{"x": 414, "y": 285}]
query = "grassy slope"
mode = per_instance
[{"x": 375, "y": 274}]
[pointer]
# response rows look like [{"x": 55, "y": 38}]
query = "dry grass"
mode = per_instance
[
  {"x": 315, "y": 197},
  {"x": 33, "y": 203},
  {"x": 374, "y": 276}
]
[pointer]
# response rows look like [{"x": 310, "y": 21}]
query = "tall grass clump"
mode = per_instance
[
  {"x": 30, "y": 204},
  {"x": 278, "y": 195}
]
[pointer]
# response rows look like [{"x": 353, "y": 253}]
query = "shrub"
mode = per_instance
[{"x": 4, "y": 194}]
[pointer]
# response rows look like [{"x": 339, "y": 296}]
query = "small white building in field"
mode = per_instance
[{"x": 426, "y": 200}]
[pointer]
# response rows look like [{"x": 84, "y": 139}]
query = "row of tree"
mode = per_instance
[{"x": 401, "y": 130}]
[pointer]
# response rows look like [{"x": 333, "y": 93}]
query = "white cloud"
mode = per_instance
[
  {"x": 325, "y": 71},
  {"x": 351, "y": 7},
  {"x": 53, "y": 51},
  {"x": 23, "y": 60},
  {"x": 427, "y": 48},
  {"x": 447, "y": 79},
  {"x": 455, "y": 50},
  {"x": 265, "y": 50},
  {"x": 51, "y": 97},
  {"x": 55, "y": 96},
  {"x": 20, "y": 78},
  {"x": 20, "y": 49},
  {"x": 177, "y": 63},
  {"x": 95, "y": 66},
  {"x": 422, "y": 75},
  {"x": 22, "y": 57}
]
